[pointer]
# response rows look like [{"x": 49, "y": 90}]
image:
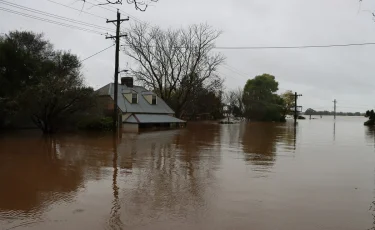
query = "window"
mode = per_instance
[
  {"x": 153, "y": 99},
  {"x": 134, "y": 98}
]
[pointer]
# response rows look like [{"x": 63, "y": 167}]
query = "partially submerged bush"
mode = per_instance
[
  {"x": 370, "y": 122},
  {"x": 97, "y": 123}
]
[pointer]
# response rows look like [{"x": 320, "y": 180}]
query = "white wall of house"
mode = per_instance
[
  {"x": 128, "y": 96},
  {"x": 148, "y": 98},
  {"x": 125, "y": 116},
  {"x": 130, "y": 128}
]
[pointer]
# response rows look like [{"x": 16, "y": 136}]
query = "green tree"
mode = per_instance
[
  {"x": 367, "y": 113},
  {"x": 372, "y": 115},
  {"x": 39, "y": 82},
  {"x": 204, "y": 101},
  {"x": 261, "y": 88},
  {"x": 289, "y": 102},
  {"x": 310, "y": 111},
  {"x": 58, "y": 94},
  {"x": 261, "y": 101},
  {"x": 21, "y": 55}
]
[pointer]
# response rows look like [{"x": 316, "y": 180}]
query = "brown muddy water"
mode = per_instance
[{"x": 319, "y": 175}]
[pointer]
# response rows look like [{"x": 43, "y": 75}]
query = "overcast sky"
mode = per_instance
[{"x": 321, "y": 75}]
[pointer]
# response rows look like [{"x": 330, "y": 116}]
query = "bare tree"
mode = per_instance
[
  {"x": 138, "y": 4},
  {"x": 365, "y": 10},
  {"x": 174, "y": 62},
  {"x": 234, "y": 99}
]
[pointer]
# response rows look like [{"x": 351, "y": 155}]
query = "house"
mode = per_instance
[{"x": 139, "y": 107}]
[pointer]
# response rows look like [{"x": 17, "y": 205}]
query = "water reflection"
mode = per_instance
[
  {"x": 370, "y": 138},
  {"x": 259, "y": 143},
  {"x": 370, "y": 133},
  {"x": 33, "y": 175},
  {"x": 334, "y": 130},
  {"x": 173, "y": 172},
  {"x": 170, "y": 172},
  {"x": 194, "y": 178},
  {"x": 287, "y": 135},
  {"x": 115, "y": 219}
]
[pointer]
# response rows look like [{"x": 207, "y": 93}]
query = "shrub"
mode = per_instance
[
  {"x": 97, "y": 123},
  {"x": 370, "y": 122}
]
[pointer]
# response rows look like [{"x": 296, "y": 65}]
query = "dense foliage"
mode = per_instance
[
  {"x": 40, "y": 83},
  {"x": 371, "y": 117},
  {"x": 96, "y": 123},
  {"x": 258, "y": 100},
  {"x": 261, "y": 101}
]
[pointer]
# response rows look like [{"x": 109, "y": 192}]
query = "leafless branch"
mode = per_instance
[
  {"x": 174, "y": 62},
  {"x": 138, "y": 4}
]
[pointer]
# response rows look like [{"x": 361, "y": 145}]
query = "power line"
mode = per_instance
[
  {"x": 231, "y": 68},
  {"x": 129, "y": 15},
  {"x": 55, "y": 16},
  {"x": 126, "y": 13},
  {"x": 352, "y": 103},
  {"x": 226, "y": 76},
  {"x": 275, "y": 47},
  {"x": 93, "y": 5},
  {"x": 52, "y": 21},
  {"x": 81, "y": 11},
  {"x": 292, "y": 47},
  {"x": 96, "y": 53},
  {"x": 238, "y": 73},
  {"x": 113, "y": 11}
]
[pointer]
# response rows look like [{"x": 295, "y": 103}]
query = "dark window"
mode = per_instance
[
  {"x": 134, "y": 98},
  {"x": 153, "y": 99}
]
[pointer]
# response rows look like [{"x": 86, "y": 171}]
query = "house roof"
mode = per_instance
[
  {"x": 152, "y": 118},
  {"x": 142, "y": 106}
]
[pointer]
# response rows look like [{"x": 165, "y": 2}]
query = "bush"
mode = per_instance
[
  {"x": 101, "y": 124},
  {"x": 301, "y": 118},
  {"x": 282, "y": 119},
  {"x": 370, "y": 122}
]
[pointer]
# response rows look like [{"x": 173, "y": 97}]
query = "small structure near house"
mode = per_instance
[{"x": 139, "y": 107}]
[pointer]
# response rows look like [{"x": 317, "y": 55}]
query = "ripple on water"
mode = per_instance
[{"x": 208, "y": 176}]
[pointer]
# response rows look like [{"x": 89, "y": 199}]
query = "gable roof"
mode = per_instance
[{"x": 142, "y": 106}]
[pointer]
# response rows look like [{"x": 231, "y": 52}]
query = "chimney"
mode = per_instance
[{"x": 128, "y": 81}]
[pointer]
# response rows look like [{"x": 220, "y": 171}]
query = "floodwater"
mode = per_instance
[{"x": 317, "y": 175}]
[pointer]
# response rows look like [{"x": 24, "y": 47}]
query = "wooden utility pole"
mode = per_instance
[
  {"x": 334, "y": 106},
  {"x": 295, "y": 105},
  {"x": 117, "y": 22}
]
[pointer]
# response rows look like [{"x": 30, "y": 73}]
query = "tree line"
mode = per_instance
[
  {"x": 310, "y": 111},
  {"x": 181, "y": 66},
  {"x": 44, "y": 86}
]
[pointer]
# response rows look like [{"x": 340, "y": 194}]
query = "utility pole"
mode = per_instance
[
  {"x": 334, "y": 106},
  {"x": 295, "y": 106},
  {"x": 117, "y": 22}
]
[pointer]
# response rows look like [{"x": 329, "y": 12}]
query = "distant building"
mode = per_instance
[{"x": 139, "y": 107}]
